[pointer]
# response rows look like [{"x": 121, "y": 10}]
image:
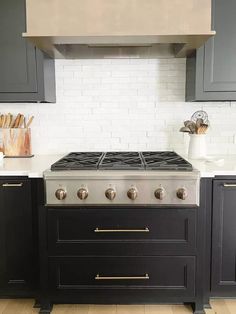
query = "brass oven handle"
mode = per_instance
[
  {"x": 98, "y": 277},
  {"x": 121, "y": 230},
  {"x": 11, "y": 185},
  {"x": 229, "y": 185}
]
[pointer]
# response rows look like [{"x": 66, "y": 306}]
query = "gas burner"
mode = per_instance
[
  {"x": 77, "y": 161},
  {"x": 121, "y": 161},
  {"x": 165, "y": 161}
]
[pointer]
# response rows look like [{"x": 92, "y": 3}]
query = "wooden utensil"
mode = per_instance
[
  {"x": 203, "y": 128},
  {"x": 1, "y": 120},
  {"x": 12, "y": 122},
  {"x": 4, "y": 121},
  {"x": 9, "y": 120},
  {"x": 17, "y": 120},
  {"x": 21, "y": 121},
  {"x": 29, "y": 122}
]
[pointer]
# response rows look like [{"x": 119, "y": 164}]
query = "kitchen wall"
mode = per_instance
[{"x": 123, "y": 104}]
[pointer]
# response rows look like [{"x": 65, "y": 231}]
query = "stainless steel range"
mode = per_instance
[{"x": 122, "y": 178}]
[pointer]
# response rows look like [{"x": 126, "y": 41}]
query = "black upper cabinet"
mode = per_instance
[
  {"x": 224, "y": 238},
  {"x": 17, "y": 268},
  {"x": 26, "y": 74},
  {"x": 211, "y": 72}
]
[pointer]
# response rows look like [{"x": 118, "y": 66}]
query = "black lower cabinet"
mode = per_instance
[
  {"x": 224, "y": 238},
  {"x": 164, "y": 261},
  {"x": 17, "y": 256}
]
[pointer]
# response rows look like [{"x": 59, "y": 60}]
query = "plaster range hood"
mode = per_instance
[{"x": 118, "y": 28}]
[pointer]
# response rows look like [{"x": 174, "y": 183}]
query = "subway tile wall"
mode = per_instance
[{"x": 123, "y": 104}]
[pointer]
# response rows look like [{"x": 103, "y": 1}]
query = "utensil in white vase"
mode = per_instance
[{"x": 197, "y": 146}]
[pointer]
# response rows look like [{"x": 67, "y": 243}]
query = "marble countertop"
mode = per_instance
[
  {"x": 35, "y": 166},
  {"x": 31, "y": 167},
  {"x": 215, "y": 166}
]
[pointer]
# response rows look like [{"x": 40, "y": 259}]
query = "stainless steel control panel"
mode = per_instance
[{"x": 96, "y": 188}]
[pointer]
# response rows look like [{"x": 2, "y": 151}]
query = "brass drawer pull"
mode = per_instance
[
  {"x": 121, "y": 230},
  {"x": 11, "y": 185},
  {"x": 98, "y": 277},
  {"x": 229, "y": 185}
]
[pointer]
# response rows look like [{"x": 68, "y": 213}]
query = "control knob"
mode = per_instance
[
  {"x": 82, "y": 193},
  {"x": 60, "y": 194},
  {"x": 182, "y": 194},
  {"x": 110, "y": 194},
  {"x": 132, "y": 193},
  {"x": 160, "y": 193}
]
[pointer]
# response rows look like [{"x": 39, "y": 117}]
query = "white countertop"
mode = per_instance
[
  {"x": 215, "y": 166},
  {"x": 31, "y": 167},
  {"x": 35, "y": 166}
]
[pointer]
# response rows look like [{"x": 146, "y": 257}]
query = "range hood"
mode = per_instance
[{"x": 118, "y": 28}]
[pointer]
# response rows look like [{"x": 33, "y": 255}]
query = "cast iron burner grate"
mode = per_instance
[
  {"x": 122, "y": 161},
  {"x": 166, "y": 160},
  {"x": 78, "y": 161}
]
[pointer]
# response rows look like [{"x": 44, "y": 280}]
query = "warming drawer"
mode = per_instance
[{"x": 121, "y": 231}]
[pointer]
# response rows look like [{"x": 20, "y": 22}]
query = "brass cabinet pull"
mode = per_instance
[
  {"x": 121, "y": 230},
  {"x": 229, "y": 185},
  {"x": 98, "y": 277},
  {"x": 11, "y": 185}
]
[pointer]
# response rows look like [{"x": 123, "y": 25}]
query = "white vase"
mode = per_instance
[{"x": 197, "y": 146}]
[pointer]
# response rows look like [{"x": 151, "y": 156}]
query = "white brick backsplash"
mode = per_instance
[{"x": 123, "y": 104}]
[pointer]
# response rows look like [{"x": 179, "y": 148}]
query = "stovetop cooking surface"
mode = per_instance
[{"x": 153, "y": 160}]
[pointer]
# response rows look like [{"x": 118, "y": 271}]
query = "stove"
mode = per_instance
[{"x": 122, "y": 178}]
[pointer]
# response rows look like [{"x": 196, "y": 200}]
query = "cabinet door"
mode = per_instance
[
  {"x": 211, "y": 72},
  {"x": 16, "y": 258},
  {"x": 219, "y": 55},
  {"x": 224, "y": 238},
  {"x": 17, "y": 55}
]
